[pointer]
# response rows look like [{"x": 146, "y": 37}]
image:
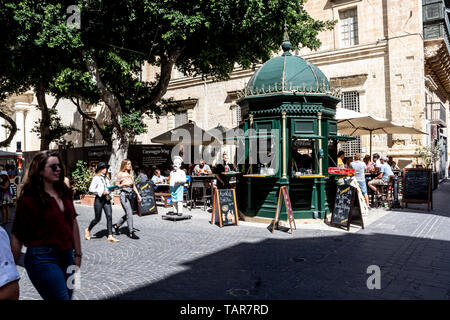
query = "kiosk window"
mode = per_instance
[
  {"x": 332, "y": 152},
  {"x": 304, "y": 158}
]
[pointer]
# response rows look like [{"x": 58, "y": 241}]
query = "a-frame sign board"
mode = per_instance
[
  {"x": 284, "y": 196},
  {"x": 225, "y": 210}
]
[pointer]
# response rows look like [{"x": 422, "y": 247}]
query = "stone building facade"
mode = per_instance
[{"x": 388, "y": 58}]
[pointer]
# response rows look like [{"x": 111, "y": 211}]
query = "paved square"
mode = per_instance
[{"x": 192, "y": 259}]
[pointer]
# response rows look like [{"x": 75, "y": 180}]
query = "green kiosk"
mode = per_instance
[{"x": 290, "y": 123}]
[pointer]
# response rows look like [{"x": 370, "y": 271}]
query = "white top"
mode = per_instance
[
  {"x": 159, "y": 179},
  {"x": 8, "y": 270},
  {"x": 205, "y": 168},
  {"x": 378, "y": 163},
  {"x": 177, "y": 177},
  {"x": 99, "y": 184}
]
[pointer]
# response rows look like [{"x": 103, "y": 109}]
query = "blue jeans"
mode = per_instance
[{"x": 47, "y": 269}]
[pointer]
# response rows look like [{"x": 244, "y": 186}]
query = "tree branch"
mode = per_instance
[
  {"x": 167, "y": 63},
  {"x": 7, "y": 142},
  {"x": 55, "y": 104},
  {"x": 107, "y": 96},
  {"x": 86, "y": 116}
]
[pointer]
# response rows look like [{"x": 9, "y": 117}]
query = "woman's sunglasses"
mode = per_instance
[{"x": 55, "y": 166}]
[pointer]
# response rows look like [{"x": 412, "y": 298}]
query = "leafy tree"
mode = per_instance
[
  {"x": 37, "y": 47},
  {"x": 199, "y": 37},
  {"x": 103, "y": 59}
]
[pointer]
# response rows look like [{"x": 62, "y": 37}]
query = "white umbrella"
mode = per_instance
[{"x": 356, "y": 124}]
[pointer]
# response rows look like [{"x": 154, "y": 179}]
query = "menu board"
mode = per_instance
[
  {"x": 225, "y": 210},
  {"x": 346, "y": 209},
  {"x": 284, "y": 196},
  {"x": 148, "y": 203},
  {"x": 417, "y": 186}
]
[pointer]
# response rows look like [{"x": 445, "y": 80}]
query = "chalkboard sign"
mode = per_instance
[
  {"x": 148, "y": 203},
  {"x": 417, "y": 186},
  {"x": 284, "y": 196},
  {"x": 346, "y": 209},
  {"x": 225, "y": 210}
]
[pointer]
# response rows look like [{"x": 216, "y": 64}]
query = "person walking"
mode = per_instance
[
  {"x": 126, "y": 184},
  {"x": 45, "y": 222},
  {"x": 99, "y": 186},
  {"x": 6, "y": 197},
  {"x": 9, "y": 278}
]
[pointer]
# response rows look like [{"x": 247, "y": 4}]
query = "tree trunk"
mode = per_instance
[
  {"x": 119, "y": 152},
  {"x": 45, "y": 118}
]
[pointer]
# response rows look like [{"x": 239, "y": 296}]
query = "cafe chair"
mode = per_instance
[
  {"x": 194, "y": 195},
  {"x": 386, "y": 194}
]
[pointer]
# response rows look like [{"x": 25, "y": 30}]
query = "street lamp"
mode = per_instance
[{"x": 19, "y": 161}]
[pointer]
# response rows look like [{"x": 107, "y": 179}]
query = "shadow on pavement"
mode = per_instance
[{"x": 312, "y": 268}]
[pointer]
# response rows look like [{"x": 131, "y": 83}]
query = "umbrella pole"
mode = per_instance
[{"x": 370, "y": 154}]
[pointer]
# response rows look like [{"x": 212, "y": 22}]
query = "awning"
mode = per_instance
[
  {"x": 342, "y": 138},
  {"x": 308, "y": 136}
]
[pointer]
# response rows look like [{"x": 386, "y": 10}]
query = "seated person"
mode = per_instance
[
  {"x": 223, "y": 181},
  {"x": 383, "y": 177},
  {"x": 368, "y": 163},
  {"x": 141, "y": 176},
  {"x": 392, "y": 164},
  {"x": 202, "y": 168},
  {"x": 347, "y": 161},
  {"x": 158, "y": 178},
  {"x": 376, "y": 161}
]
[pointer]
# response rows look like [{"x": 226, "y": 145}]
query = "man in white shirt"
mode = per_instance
[
  {"x": 9, "y": 277},
  {"x": 383, "y": 176},
  {"x": 158, "y": 178},
  {"x": 202, "y": 167},
  {"x": 376, "y": 160}
]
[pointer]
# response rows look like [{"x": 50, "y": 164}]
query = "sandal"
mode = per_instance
[
  {"x": 112, "y": 239},
  {"x": 87, "y": 234}
]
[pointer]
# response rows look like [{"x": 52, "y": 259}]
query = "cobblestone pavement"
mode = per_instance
[{"x": 192, "y": 259}]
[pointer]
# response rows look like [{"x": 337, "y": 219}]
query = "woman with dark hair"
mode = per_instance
[
  {"x": 45, "y": 222},
  {"x": 102, "y": 202},
  {"x": 125, "y": 181},
  {"x": 6, "y": 197}
]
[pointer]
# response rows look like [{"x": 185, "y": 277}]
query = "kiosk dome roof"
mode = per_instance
[{"x": 287, "y": 73}]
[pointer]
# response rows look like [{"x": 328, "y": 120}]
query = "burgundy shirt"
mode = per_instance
[{"x": 51, "y": 227}]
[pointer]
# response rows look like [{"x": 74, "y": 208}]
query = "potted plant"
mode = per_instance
[
  {"x": 427, "y": 157},
  {"x": 82, "y": 177}
]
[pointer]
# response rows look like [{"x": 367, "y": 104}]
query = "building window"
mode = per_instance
[
  {"x": 350, "y": 100},
  {"x": 349, "y": 27},
  {"x": 181, "y": 118},
  {"x": 237, "y": 117}
]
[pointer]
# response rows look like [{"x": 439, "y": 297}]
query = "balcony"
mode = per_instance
[{"x": 436, "y": 113}]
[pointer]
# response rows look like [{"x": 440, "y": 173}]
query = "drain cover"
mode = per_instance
[
  {"x": 238, "y": 292},
  {"x": 298, "y": 259}
]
